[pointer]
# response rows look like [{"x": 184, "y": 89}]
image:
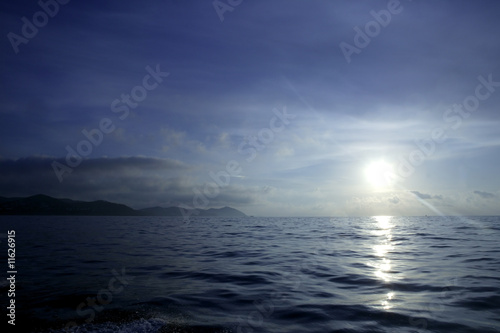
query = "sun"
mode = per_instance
[{"x": 380, "y": 174}]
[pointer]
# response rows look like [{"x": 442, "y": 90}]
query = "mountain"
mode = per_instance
[
  {"x": 41, "y": 204},
  {"x": 44, "y": 205},
  {"x": 176, "y": 211},
  {"x": 224, "y": 211},
  {"x": 160, "y": 211}
]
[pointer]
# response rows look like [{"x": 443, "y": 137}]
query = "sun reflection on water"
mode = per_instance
[
  {"x": 383, "y": 266},
  {"x": 385, "y": 304}
]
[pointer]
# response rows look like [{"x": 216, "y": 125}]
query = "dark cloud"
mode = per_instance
[
  {"x": 421, "y": 195},
  {"x": 136, "y": 181},
  {"x": 394, "y": 200},
  {"x": 485, "y": 195},
  {"x": 426, "y": 196}
]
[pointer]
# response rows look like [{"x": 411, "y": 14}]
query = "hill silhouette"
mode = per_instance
[{"x": 41, "y": 204}]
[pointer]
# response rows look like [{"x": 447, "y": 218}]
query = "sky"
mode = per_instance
[{"x": 276, "y": 108}]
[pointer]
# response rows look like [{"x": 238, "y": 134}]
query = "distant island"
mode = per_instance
[{"x": 41, "y": 204}]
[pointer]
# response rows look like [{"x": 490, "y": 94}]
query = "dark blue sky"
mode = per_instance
[{"x": 415, "y": 94}]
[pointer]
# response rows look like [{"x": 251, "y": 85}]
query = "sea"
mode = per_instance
[{"x": 251, "y": 274}]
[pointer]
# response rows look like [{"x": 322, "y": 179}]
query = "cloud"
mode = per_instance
[
  {"x": 135, "y": 181},
  {"x": 129, "y": 180},
  {"x": 485, "y": 195},
  {"x": 421, "y": 195},
  {"x": 394, "y": 200},
  {"x": 427, "y": 196}
]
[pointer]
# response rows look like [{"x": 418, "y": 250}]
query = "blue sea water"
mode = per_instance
[{"x": 155, "y": 274}]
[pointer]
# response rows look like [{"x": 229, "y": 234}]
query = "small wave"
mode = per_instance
[
  {"x": 479, "y": 259},
  {"x": 479, "y": 303},
  {"x": 238, "y": 279}
]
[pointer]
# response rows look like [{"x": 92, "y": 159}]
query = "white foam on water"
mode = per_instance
[{"x": 139, "y": 326}]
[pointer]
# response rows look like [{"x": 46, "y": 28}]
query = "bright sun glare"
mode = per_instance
[{"x": 379, "y": 174}]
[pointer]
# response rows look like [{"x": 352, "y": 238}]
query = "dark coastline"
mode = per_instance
[{"x": 44, "y": 205}]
